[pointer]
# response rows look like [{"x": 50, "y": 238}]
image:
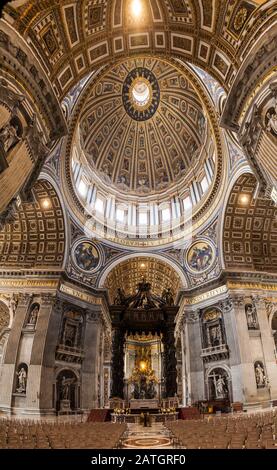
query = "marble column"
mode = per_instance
[
  {"x": 268, "y": 346},
  {"x": 8, "y": 378}
]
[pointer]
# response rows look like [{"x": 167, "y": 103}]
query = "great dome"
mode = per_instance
[{"x": 143, "y": 127}]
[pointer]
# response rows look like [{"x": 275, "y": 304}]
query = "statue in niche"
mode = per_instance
[
  {"x": 9, "y": 135},
  {"x": 218, "y": 384},
  {"x": 65, "y": 388},
  {"x": 21, "y": 379},
  {"x": 251, "y": 316},
  {"x": 221, "y": 387},
  {"x": 13, "y": 305},
  {"x": 33, "y": 315},
  {"x": 260, "y": 375}
]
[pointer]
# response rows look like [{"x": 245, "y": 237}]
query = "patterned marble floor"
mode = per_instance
[{"x": 154, "y": 437}]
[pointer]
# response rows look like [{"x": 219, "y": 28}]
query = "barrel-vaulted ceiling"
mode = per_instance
[
  {"x": 135, "y": 151},
  {"x": 129, "y": 273},
  {"x": 73, "y": 37},
  {"x": 250, "y": 229},
  {"x": 36, "y": 238}
]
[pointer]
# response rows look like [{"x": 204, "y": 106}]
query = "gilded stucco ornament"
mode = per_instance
[{"x": 240, "y": 19}]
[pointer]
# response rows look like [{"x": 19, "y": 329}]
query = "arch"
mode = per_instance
[
  {"x": 176, "y": 272},
  {"x": 164, "y": 26},
  {"x": 259, "y": 56},
  {"x": 212, "y": 327},
  {"x": 219, "y": 383},
  {"x": 4, "y": 316},
  {"x": 249, "y": 229},
  {"x": 88, "y": 35},
  {"x": 221, "y": 366},
  {"x": 36, "y": 238},
  {"x": 244, "y": 169},
  {"x": 67, "y": 394},
  {"x": 50, "y": 177}
]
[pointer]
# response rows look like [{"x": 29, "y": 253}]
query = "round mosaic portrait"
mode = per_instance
[
  {"x": 200, "y": 256},
  {"x": 141, "y": 94},
  {"x": 86, "y": 256}
]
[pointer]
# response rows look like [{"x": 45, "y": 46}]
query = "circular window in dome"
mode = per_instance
[{"x": 141, "y": 94}]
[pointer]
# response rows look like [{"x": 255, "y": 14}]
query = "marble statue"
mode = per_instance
[
  {"x": 220, "y": 387},
  {"x": 260, "y": 375},
  {"x": 22, "y": 380},
  {"x": 13, "y": 305},
  {"x": 33, "y": 314},
  {"x": 8, "y": 136},
  {"x": 251, "y": 316},
  {"x": 65, "y": 387}
]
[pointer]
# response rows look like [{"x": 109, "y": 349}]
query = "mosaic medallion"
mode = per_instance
[
  {"x": 147, "y": 442},
  {"x": 86, "y": 256},
  {"x": 200, "y": 256},
  {"x": 141, "y": 94}
]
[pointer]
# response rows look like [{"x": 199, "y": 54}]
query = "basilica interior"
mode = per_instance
[{"x": 138, "y": 222}]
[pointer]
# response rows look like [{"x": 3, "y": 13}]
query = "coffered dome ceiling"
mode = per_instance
[{"x": 143, "y": 127}]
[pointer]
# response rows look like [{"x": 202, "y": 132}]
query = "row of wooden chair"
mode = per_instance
[
  {"x": 252, "y": 431},
  {"x": 18, "y": 434}
]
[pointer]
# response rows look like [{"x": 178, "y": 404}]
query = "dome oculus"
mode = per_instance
[{"x": 141, "y": 94}]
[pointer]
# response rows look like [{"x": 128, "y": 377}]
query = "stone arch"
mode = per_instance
[
  {"x": 213, "y": 374},
  {"x": 249, "y": 229},
  {"x": 166, "y": 26},
  {"x": 67, "y": 389},
  {"x": 157, "y": 264},
  {"x": 4, "y": 316},
  {"x": 212, "y": 327}
]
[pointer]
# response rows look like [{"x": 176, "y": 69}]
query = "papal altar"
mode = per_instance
[
  {"x": 137, "y": 417},
  {"x": 139, "y": 404}
]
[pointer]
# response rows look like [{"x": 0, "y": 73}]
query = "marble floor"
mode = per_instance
[{"x": 154, "y": 437}]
